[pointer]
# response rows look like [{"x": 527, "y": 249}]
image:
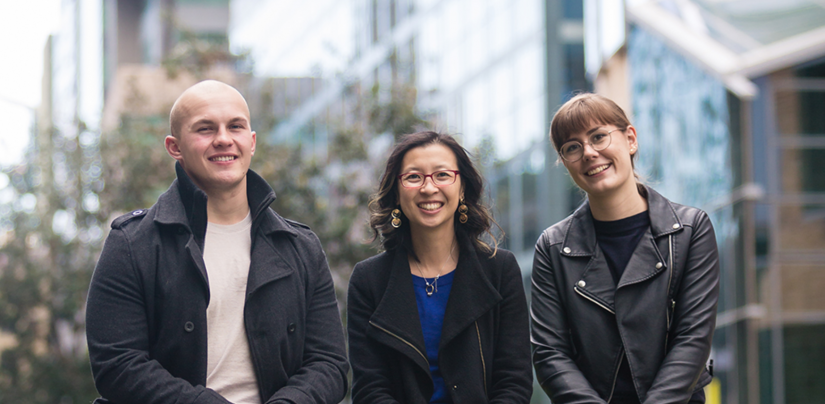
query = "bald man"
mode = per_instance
[{"x": 210, "y": 296}]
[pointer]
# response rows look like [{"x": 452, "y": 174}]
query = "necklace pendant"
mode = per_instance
[{"x": 429, "y": 289}]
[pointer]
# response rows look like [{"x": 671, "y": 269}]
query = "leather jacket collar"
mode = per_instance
[{"x": 580, "y": 234}]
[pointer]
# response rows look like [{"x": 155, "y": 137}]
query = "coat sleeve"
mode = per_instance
[
  {"x": 694, "y": 318},
  {"x": 117, "y": 332},
  {"x": 323, "y": 374},
  {"x": 556, "y": 371},
  {"x": 512, "y": 378},
  {"x": 370, "y": 360}
]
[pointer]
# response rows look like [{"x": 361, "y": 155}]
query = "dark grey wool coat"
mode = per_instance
[
  {"x": 484, "y": 353},
  {"x": 146, "y": 309}
]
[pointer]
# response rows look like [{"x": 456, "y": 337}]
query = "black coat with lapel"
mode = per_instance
[
  {"x": 484, "y": 353},
  {"x": 146, "y": 308}
]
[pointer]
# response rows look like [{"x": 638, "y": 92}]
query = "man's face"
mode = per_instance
[{"x": 214, "y": 143}]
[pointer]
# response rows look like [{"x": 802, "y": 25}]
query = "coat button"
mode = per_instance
[
  {"x": 658, "y": 265},
  {"x": 675, "y": 225},
  {"x": 455, "y": 387},
  {"x": 137, "y": 212},
  {"x": 566, "y": 250},
  {"x": 189, "y": 326},
  {"x": 581, "y": 284},
  {"x": 290, "y": 328}
]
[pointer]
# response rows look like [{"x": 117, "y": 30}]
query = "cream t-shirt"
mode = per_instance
[{"x": 229, "y": 370}]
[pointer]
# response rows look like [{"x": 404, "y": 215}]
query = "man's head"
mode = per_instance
[{"x": 211, "y": 136}]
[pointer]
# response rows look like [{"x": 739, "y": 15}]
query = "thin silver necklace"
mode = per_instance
[{"x": 431, "y": 288}]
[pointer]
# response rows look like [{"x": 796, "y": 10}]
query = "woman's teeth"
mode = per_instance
[
  {"x": 430, "y": 206},
  {"x": 598, "y": 169}
]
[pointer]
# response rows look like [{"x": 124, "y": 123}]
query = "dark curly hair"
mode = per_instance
[{"x": 479, "y": 220}]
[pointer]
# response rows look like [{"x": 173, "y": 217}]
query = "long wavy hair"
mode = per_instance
[{"x": 479, "y": 219}]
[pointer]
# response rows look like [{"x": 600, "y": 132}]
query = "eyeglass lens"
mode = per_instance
[
  {"x": 440, "y": 178},
  {"x": 574, "y": 150}
]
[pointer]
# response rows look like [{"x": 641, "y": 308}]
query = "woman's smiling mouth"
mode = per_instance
[
  {"x": 598, "y": 169},
  {"x": 430, "y": 206}
]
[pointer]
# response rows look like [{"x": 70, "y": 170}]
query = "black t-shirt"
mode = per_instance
[{"x": 618, "y": 239}]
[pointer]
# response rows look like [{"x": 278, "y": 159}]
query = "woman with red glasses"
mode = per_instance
[
  {"x": 624, "y": 289},
  {"x": 440, "y": 316}
]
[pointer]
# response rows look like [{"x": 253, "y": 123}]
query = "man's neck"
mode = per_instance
[{"x": 227, "y": 207}]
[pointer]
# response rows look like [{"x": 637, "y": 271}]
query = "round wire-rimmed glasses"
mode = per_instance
[
  {"x": 441, "y": 178},
  {"x": 573, "y": 150}
]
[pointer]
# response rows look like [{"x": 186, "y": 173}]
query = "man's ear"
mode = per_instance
[
  {"x": 173, "y": 148},
  {"x": 254, "y": 142}
]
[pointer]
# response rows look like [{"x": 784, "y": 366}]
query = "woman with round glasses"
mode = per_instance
[
  {"x": 624, "y": 289},
  {"x": 440, "y": 316}
]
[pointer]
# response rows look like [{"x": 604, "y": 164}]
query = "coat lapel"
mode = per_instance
[
  {"x": 580, "y": 241},
  {"x": 395, "y": 321},
  {"x": 196, "y": 255},
  {"x": 594, "y": 279},
  {"x": 267, "y": 262},
  {"x": 472, "y": 295},
  {"x": 645, "y": 262}
]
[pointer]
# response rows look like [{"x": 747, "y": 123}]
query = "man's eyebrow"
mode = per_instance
[
  {"x": 202, "y": 122},
  {"x": 241, "y": 119}
]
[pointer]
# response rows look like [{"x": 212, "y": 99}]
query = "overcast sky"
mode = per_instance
[{"x": 26, "y": 25}]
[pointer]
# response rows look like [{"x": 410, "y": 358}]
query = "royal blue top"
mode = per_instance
[{"x": 431, "y": 312}]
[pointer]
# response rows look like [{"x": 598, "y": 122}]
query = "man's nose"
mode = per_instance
[{"x": 222, "y": 136}]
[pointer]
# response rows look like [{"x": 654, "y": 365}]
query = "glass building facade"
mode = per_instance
[
  {"x": 751, "y": 153},
  {"x": 492, "y": 72}
]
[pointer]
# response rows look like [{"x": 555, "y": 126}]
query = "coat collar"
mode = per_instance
[
  {"x": 472, "y": 294},
  {"x": 185, "y": 204},
  {"x": 647, "y": 259},
  {"x": 580, "y": 234}
]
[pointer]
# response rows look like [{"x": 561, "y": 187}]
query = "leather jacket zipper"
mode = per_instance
[
  {"x": 669, "y": 311},
  {"x": 616, "y": 376},
  {"x": 402, "y": 340},
  {"x": 483, "y": 365},
  {"x": 582, "y": 294},
  {"x": 621, "y": 358}
]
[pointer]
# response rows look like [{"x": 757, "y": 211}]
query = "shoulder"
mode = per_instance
[
  {"x": 371, "y": 274},
  {"x": 505, "y": 262},
  {"x": 129, "y": 219},
  {"x": 502, "y": 258},
  {"x": 373, "y": 266},
  {"x": 555, "y": 234},
  {"x": 301, "y": 232},
  {"x": 690, "y": 217}
]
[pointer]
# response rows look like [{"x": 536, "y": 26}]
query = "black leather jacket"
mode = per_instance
[{"x": 660, "y": 317}]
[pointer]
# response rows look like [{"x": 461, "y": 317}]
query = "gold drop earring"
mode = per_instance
[
  {"x": 462, "y": 211},
  {"x": 396, "y": 219}
]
